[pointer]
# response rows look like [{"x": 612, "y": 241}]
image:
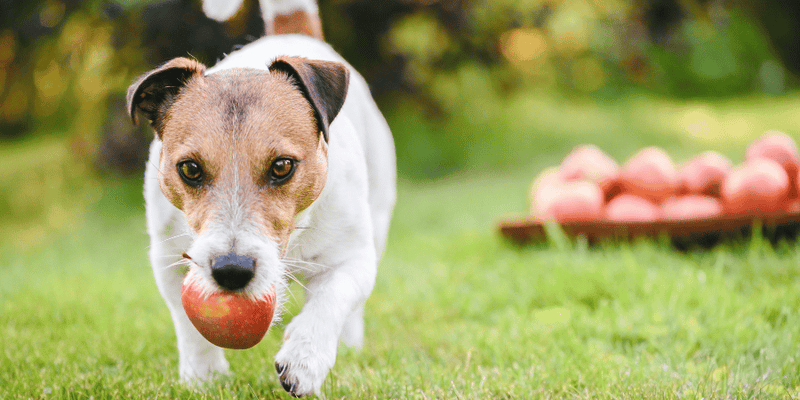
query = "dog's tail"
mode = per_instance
[{"x": 280, "y": 16}]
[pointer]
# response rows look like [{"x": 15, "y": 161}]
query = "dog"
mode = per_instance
[{"x": 273, "y": 164}]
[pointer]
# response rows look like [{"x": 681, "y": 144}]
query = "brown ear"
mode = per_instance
[
  {"x": 155, "y": 91},
  {"x": 323, "y": 83}
]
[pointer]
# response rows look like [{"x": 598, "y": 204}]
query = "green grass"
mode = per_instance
[{"x": 457, "y": 312}]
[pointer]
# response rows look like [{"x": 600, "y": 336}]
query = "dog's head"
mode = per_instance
[{"x": 243, "y": 152}]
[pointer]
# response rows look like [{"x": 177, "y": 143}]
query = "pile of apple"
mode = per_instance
[{"x": 591, "y": 186}]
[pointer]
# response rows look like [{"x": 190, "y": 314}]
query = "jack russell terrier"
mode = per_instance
[{"x": 275, "y": 162}]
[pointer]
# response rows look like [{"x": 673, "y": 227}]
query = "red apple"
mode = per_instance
[
  {"x": 759, "y": 185},
  {"x": 690, "y": 207},
  {"x": 704, "y": 174},
  {"x": 588, "y": 162},
  {"x": 576, "y": 201},
  {"x": 793, "y": 206},
  {"x": 543, "y": 191},
  {"x": 227, "y": 319},
  {"x": 796, "y": 186},
  {"x": 631, "y": 208},
  {"x": 650, "y": 174},
  {"x": 776, "y": 146},
  {"x": 779, "y": 147}
]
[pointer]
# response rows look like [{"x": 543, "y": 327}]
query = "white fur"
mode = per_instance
[{"x": 337, "y": 244}]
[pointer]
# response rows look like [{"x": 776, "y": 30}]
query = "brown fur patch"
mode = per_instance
[
  {"x": 297, "y": 22},
  {"x": 235, "y": 124},
  {"x": 323, "y": 83}
]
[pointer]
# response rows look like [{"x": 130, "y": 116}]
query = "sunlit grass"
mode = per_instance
[
  {"x": 456, "y": 313},
  {"x": 46, "y": 184}
]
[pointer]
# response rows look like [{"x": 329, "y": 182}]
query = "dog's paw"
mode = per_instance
[
  {"x": 299, "y": 379},
  {"x": 303, "y": 363}
]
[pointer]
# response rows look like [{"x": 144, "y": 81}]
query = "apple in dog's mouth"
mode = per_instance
[{"x": 227, "y": 319}]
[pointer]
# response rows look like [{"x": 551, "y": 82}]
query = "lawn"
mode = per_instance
[{"x": 457, "y": 312}]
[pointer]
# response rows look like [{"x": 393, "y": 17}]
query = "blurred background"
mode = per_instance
[{"x": 468, "y": 87}]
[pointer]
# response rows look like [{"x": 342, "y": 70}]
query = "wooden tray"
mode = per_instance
[{"x": 703, "y": 232}]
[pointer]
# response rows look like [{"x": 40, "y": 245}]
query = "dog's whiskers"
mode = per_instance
[
  {"x": 305, "y": 265},
  {"x": 179, "y": 263},
  {"x": 292, "y": 297},
  {"x": 294, "y": 278},
  {"x": 174, "y": 237},
  {"x": 283, "y": 286},
  {"x": 170, "y": 256},
  {"x": 297, "y": 264}
]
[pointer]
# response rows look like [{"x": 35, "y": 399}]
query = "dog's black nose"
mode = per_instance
[{"x": 232, "y": 271}]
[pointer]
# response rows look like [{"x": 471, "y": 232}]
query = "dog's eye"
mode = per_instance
[
  {"x": 282, "y": 169},
  {"x": 191, "y": 173}
]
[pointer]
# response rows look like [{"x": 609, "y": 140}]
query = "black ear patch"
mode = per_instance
[
  {"x": 155, "y": 91},
  {"x": 323, "y": 83}
]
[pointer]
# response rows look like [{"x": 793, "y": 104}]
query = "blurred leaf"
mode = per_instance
[
  {"x": 8, "y": 47},
  {"x": 524, "y": 45},
  {"x": 588, "y": 74},
  {"x": 420, "y": 36},
  {"x": 571, "y": 27}
]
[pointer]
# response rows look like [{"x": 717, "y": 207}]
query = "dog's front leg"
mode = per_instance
[
  {"x": 199, "y": 359},
  {"x": 311, "y": 339}
]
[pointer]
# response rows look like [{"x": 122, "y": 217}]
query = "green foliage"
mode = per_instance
[
  {"x": 527, "y": 79},
  {"x": 62, "y": 79},
  {"x": 590, "y": 47},
  {"x": 718, "y": 61}
]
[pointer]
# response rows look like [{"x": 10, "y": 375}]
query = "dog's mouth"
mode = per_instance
[
  {"x": 235, "y": 319},
  {"x": 231, "y": 274}
]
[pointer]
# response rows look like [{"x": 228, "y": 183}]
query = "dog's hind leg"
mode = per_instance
[
  {"x": 281, "y": 17},
  {"x": 291, "y": 16}
]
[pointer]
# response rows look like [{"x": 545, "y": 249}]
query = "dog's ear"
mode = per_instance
[
  {"x": 155, "y": 91},
  {"x": 323, "y": 83}
]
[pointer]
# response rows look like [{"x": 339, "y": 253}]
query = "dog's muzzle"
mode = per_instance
[{"x": 233, "y": 271}]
